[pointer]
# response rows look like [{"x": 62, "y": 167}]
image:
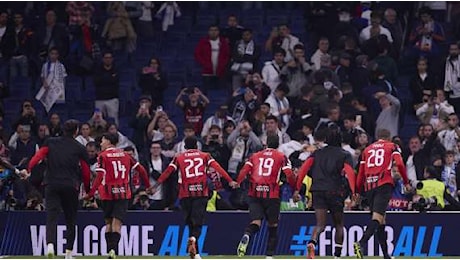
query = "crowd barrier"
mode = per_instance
[{"x": 147, "y": 233}]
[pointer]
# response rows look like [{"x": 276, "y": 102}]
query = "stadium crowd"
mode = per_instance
[{"x": 346, "y": 73}]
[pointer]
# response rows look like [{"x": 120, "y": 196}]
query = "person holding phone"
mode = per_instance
[{"x": 152, "y": 81}]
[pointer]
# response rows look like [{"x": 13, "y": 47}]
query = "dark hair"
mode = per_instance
[
  {"x": 349, "y": 116},
  {"x": 54, "y": 49},
  {"x": 283, "y": 87},
  {"x": 271, "y": 117},
  {"x": 158, "y": 61},
  {"x": 113, "y": 139},
  {"x": 424, "y": 10},
  {"x": 190, "y": 143},
  {"x": 70, "y": 127},
  {"x": 279, "y": 50},
  {"x": 188, "y": 126},
  {"x": 273, "y": 141},
  {"x": 265, "y": 104},
  {"x": 107, "y": 52},
  {"x": 214, "y": 127},
  {"x": 229, "y": 123},
  {"x": 320, "y": 135},
  {"x": 450, "y": 152},
  {"x": 129, "y": 149},
  {"x": 213, "y": 25},
  {"x": 333, "y": 136},
  {"x": 309, "y": 124},
  {"x": 82, "y": 124},
  {"x": 299, "y": 47},
  {"x": 92, "y": 143},
  {"x": 247, "y": 30}
]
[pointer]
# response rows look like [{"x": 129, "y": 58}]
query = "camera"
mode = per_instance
[
  {"x": 424, "y": 204},
  {"x": 214, "y": 137}
]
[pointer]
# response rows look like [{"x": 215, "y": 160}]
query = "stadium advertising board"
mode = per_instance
[{"x": 163, "y": 233}]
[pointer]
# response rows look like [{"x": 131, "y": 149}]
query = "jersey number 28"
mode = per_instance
[{"x": 376, "y": 158}]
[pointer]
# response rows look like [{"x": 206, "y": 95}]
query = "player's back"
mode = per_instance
[
  {"x": 117, "y": 166},
  {"x": 377, "y": 157},
  {"x": 265, "y": 175},
  {"x": 192, "y": 177}
]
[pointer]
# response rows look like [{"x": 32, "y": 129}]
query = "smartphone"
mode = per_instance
[
  {"x": 144, "y": 106},
  {"x": 359, "y": 120}
]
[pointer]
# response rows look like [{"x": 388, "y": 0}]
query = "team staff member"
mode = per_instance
[
  {"x": 264, "y": 169},
  {"x": 67, "y": 166},
  {"x": 192, "y": 166},
  {"x": 113, "y": 169},
  {"x": 375, "y": 175},
  {"x": 329, "y": 190}
]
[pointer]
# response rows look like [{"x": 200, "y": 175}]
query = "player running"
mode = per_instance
[
  {"x": 329, "y": 189},
  {"x": 114, "y": 187},
  {"x": 192, "y": 166},
  {"x": 375, "y": 175},
  {"x": 264, "y": 170}
]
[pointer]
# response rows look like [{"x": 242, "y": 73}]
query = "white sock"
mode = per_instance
[
  {"x": 50, "y": 248},
  {"x": 197, "y": 256},
  {"x": 68, "y": 254}
]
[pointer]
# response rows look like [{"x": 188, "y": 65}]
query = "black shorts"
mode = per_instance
[
  {"x": 379, "y": 198},
  {"x": 268, "y": 209},
  {"x": 328, "y": 200},
  {"x": 115, "y": 209},
  {"x": 194, "y": 209}
]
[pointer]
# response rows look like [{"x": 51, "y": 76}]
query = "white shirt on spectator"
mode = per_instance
[
  {"x": 366, "y": 34},
  {"x": 215, "y": 54},
  {"x": 83, "y": 140},
  {"x": 288, "y": 45},
  {"x": 316, "y": 58},
  {"x": 411, "y": 172},
  {"x": 147, "y": 7},
  {"x": 271, "y": 74},
  {"x": 156, "y": 165},
  {"x": 448, "y": 139}
]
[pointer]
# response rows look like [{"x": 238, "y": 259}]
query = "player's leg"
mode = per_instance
[
  {"x": 382, "y": 238},
  {"x": 120, "y": 207},
  {"x": 197, "y": 217},
  {"x": 337, "y": 218},
  {"x": 186, "y": 205},
  {"x": 69, "y": 204},
  {"x": 272, "y": 216},
  {"x": 53, "y": 207},
  {"x": 381, "y": 234},
  {"x": 320, "y": 205},
  {"x": 256, "y": 213}
]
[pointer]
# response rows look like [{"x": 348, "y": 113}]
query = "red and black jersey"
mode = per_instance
[
  {"x": 192, "y": 166},
  {"x": 114, "y": 168},
  {"x": 194, "y": 115},
  {"x": 376, "y": 163},
  {"x": 264, "y": 169}
]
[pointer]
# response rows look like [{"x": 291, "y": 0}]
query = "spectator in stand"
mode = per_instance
[
  {"x": 386, "y": 64},
  {"x": 451, "y": 76},
  {"x": 325, "y": 73},
  {"x": 158, "y": 124},
  {"x": 85, "y": 134},
  {"x": 153, "y": 81},
  {"x": 421, "y": 83},
  {"x": 435, "y": 110},
  {"x": 392, "y": 23},
  {"x": 449, "y": 174},
  {"x": 189, "y": 131},
  {"x": 92, "y": 150},
  {"x": 449, "y": 136},
  {"x": 375, "y": 29},
  {"x": 79, "y": 12},
  {"x": 19, "y": 41},
  {"x": 323, "y": 48},
  {"x": 24, "y": 147},
  {"x": 360, "y": 76},
  {"x": 140, "y": 123},
  {"x": 242, "y": 106},
  {"x": 258, "y": 124},
  {"x": 258, "y": 86},
  {"x": 155, "y": 164},
  {"x": 118, "y": 30},
  {"x": 389, "y": 116},
  {"x": 272, "y": 69},
  {"x": 272, "y": 128},
  {"x": 296, "y": 71},
  {"x": 144, "y": 26},
  {"x": 218, "y": 119},
  {"x": 5, "y": 53},
  {"x": 303, "y": 107},
  {"x": 98, "y": 124},
  {"x": 332, "y": 119},
  {"x": 107, "y": 86},
  {"x": 214, "y": 144},
  {"x": 279, "y": 106},
  {"x": 123, "y": 141},
  {"x": 55, "y": 125},
  {"x": 53, "y": 74},
  {"x": 344, "y": 27},
  {"x": 242, "y": 142},
  {"x": 170, "y": 11},
  {"x": 233, "y": 31},
  {"x": 194, "y": 107},
  {"x": 168, "y": 142},
  {"x": 414, "y": 160},
  {"x": 344, "y": 68},
  {"x": 43, "y": 134},
  {"x": 213, "y": 55},
  {"x": 427, "y": 34},
  {"x": 281, "y": 37},
  {"x": 28, "y": 117},
  {"x": 52, "y": 35},
  {"x": 228, "y": 128},
  {"x": 245, "y": 58}
]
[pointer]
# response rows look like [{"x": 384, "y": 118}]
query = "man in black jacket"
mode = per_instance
[
  {"x": 107, "y": 86},
  {"x": 67, "y": 166}
]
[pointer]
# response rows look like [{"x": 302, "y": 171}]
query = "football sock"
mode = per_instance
[
  {"x": 109, "y": 240},
  {"x": 195, "y": 231},
  {"x": 116, "y": 240},
  {"x": 382, "y": 238},
  {"x": 338, "y": 250},
  {"x": 370, "y": 230},
  {"x": 251, "y": 229},
  {"x": 272, "y": 240},
  {"x": 312, "y": 242}
]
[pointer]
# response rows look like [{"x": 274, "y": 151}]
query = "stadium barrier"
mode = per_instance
[{"x": 147, "y": 233}]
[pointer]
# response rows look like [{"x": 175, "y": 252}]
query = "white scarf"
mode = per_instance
[
  {"x": 244, "y": 49},
  {"x": 55, "y": 80}
]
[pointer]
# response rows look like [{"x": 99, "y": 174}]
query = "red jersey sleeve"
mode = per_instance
[{"x": 304, "y": 169}]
